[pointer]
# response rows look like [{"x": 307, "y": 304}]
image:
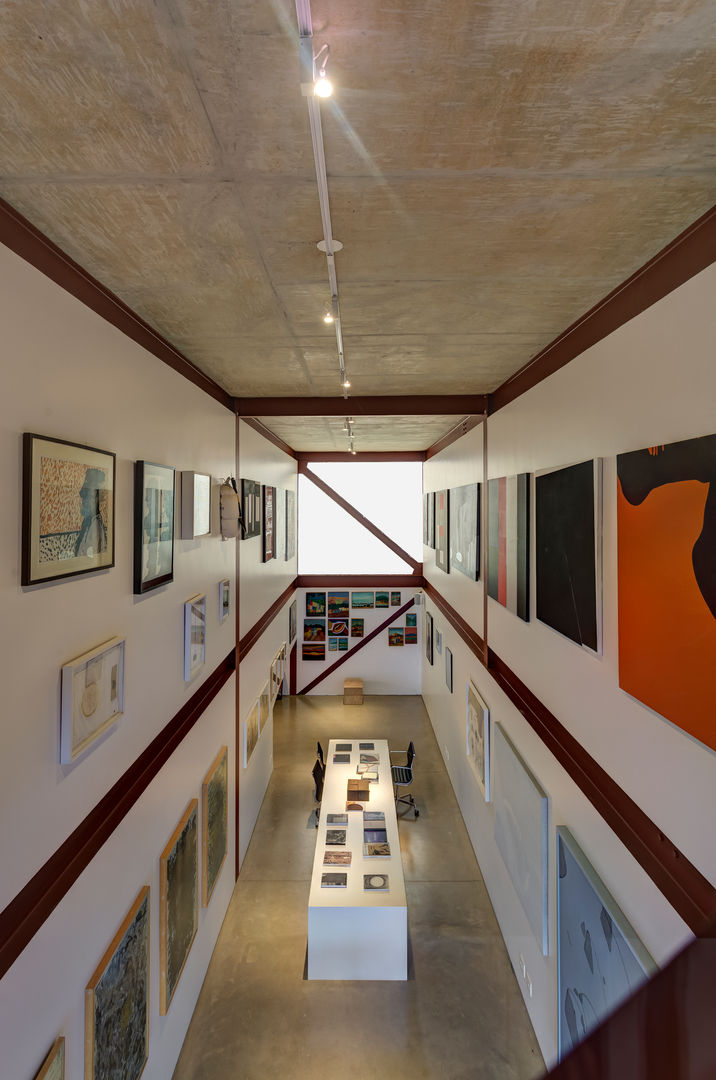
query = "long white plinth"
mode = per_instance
[{"x": 354, "y": 933}]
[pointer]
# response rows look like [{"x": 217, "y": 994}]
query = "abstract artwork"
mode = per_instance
[
  {"x": 269, "y": 536},
  {"x": 250, "y": 508},
  {"x": 382, "y": 599},
  {"x": 342, "y": 644},
  {"x": 292, "y": 622},
  {"x": 195, "y": 505},
  {"x": 429, "y": 637},
  {"x": 362, "y": 600},
  {"x": 117, "y": 1001},
  {"x": 395, "y": 599},
  {"x": 312, "y": 650},
  {"x": 477, "y": 735},
  {"x": 338, "y": 604},
  {"x": 508, "y": 547},
  {"x": 411, "y": 619},
  {"x": 314, "y": 629},
  {"x": 429, "y": 519},
  {"x": 464, "y": 530},
  {"x": 215, "y": 822},
  {"x": 357, "y": 627},
  {"x": 178, "y": 902},
  {"x": 92, "y": 697},
  {"x": 194, "y": 636},
  {"x": 442, "y": 527},
  {"x": 333, "y": 644},
  {"x": 521, "y": 822},
  {"x": 315, "y": 603},
  {"x": 395, "y": 635},
  {"x": 411, "y": 635},
  {"x": 153, "y": 526},
  {"x": 666, "y": 534},
  {"x": 601, "y": 961},
  {"x": 224, "y": 599},
  {"x": 290, "y": 525},
  {"x": 448, "y": 669},
  {"x": 67, "y": 509},
  {"x": 338, "y": 627},
  {"x": 53, "y": 1067},
  {"x": 568, "y": 529},
  {"x": 251, "y": 732}
]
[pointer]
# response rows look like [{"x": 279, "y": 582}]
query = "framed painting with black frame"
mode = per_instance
[
  {"x": 269, "y": 548},
  {"x": 153, "y": 525}
]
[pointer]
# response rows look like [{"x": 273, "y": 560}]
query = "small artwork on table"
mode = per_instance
[
  {"x": 411, "y": 635},
  {"x": 464, "y": 530},
  {"x": 195, "y": 505},
  {"x": 67, "y": 509},
  {"x": 442, "y": 526},
  {"x": 429, "y": 519},
  {"x": 194, "y": 636},
  {"x": 251, "y": 733},
  {"x": 313, "y": 650},
  {"x": 342, "y": 644},
  {"x": 477, "y": 731},
  {"x": 92, "y": 697},
  {"x": 338, "y": 605},
  {"x": 251, "y": 508},
  {"x": 411, "y": 619},
  {"x": 508, "y": 547},
  {"x": 178, "y": 903},
  {"x": 357, "y": 627},
  {"x": 339, "y": 627},
  {"x": 314, "y": 629},
  {"x": 382, "y": 599},
  {"x": 395, "y": 599},
  {"x": 53, "y": 1067},
  {"x": 601, "y": 961},
  {"x": 269, "y": 538},
  {"x": 429, "y": 637},
  {"x": 333, "y": 644},
  {"x": 215, "y": 823},
  {"x": 315, "y": 603},
  {"x": 290, "y": 525},
  {"x": 448, "y": 669},
  {"x": 117, "y": 1001},
  {"x": 153, "y": 526},
  {"x": 395, "y": 635},
  {"x": 362, "y": 600},
  {"x": 439, "y": 641},
  {"x": 224, "y": 599},
  {"x": 292, "y": 622}
]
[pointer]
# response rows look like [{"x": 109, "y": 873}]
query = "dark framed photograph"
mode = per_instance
[
  {"x": 429, "y": 637},
  {"x": 67, "y": 509},
  {"x": 269, "y": 545},
  {"x": 251, "y": 508},
  {"x": 448, "y": 669},
  {"x": 153, "y": 525}
]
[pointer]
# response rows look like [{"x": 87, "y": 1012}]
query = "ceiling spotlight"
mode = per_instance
[
  {"x": 321, "y": 85},
  {"x": 328, "y": 318}
]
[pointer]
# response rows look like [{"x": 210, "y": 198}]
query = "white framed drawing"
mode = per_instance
[
  {"x": 195, "y": 505},
  {"x": 92, "y": 698},
  {"x": 194, "y": 636},
  {"x": 224, "y": 599},
  {"x": 477, "y": 737}
]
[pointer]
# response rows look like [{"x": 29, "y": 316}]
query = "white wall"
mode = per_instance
[
  {"x": 69, "y": 374},
  {"x": 619, "y": 395},
  {"x": 385, "y": 669}
]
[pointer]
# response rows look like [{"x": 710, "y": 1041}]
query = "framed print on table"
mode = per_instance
[
  {"x": 153, "y": 525},
  {"x": 215, "y": 823},
  {"x": 178, "y": 902},
  {"x": 194, "y": 636},
  {"x": 67, "y": 509},
  {"x": 92, "y": 698}
]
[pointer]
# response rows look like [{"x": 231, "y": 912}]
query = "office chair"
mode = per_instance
[
  {"x": 319, "y": 751},
  {"x": 402, "y": 776},
  {"x": 318, "y": 773}
]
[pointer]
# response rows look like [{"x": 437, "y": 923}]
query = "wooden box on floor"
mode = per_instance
[{"x": 352, "y": 691}]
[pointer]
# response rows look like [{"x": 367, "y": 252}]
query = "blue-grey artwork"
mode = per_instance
[{"x": 601, "y": 960}]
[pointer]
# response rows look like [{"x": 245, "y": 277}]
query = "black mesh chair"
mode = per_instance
[
  {"x": 318, "y": 773},
  {"x": 319, "y": 751},
  {"x": 402, "y": 776}
]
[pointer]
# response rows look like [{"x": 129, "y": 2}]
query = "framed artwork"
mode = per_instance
[
  {"x": 395, "y": 635},
  {"x": 264, "y": 707},
  {"x": 429, "y": 637},
  {"x": 53, "y": 1067},
  {"x": 153, "y": 526},
  {"x": 521, "y": 823},
  {"x": 342, "y": 644},
  {"x": 439, "y": 641},
  {"x": 442, "y": 528},
  {"x": 67, "y": 509},
  {"x": 195, "y": 505},
  {"x": 277, "y": 674},
  {"x": 333, "y": 644},
  {"x": 269, "y": 531},
  {"x": 568, "y": 526},
  {"x": 279, "y": 530},
  {"x": 224, "y": 599},
  {"x": 477, "y": 738},
  {"x": 600, "y": 959},
  {"x": 429, "y": 519},
  {"x": 667, "y": 578},
  {"x": 117, "y": 1001},
  {"x": 448, "y": 669},
  {"x": 382, "y": 599},
  {"x": 362, "y": 600},
  {"x": 338, "y": 605},
  {"x": 214, "y": 823},
  {"x": 411, "y": 619},
  {"x": 395, "y": 599},
  {"x": 290, "y": 525},
  {"x": 194, "y": 636},
  {"x": 313, "y": 650},
  {"x": 178, "y": 902},
  {"x": 339, "y": 627},
  {"x": 508, "y": 543},
  {"x": 251, "y": 733},
  {"x": 314, "y": 629},
  {"x": 411, "y": 635},
  {"x": 251, "y": 508},
  {"x": 464, "y": 530},
  {"x": 315, "y": 603},
  {"x": 357, "y": 627},
  {"x": 292, "y": 622},
  {"x": 92, "y": 698}
]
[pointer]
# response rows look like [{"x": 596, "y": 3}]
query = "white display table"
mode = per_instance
[{"x": 354, "y": 933}]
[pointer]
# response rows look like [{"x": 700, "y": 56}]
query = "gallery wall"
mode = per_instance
[
  {"x": 649, "y": 383},
  {"x": 72, "y": 376}
]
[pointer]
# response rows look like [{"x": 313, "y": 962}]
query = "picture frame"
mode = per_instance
[
  {"x": 214, "y": 823},
  {"x": 53, "y": 1067},
  {"x": 194, "y": 636},
  {"x": 429, "y": 519},
  {"x": 395, "y": 635},
  {"x": 338, "y": 605},
  {"x": 362, "y": 599},
  {"x": 395, "y": 598},
  {"x": 464, "y": 530},
  {"x": 290, "y": 546},
  {"x": 117, "y": 1000},
  {"x": 195, "y": 505},
  {"x": 153, "y": 525},
  {"x": 442, "y": 530},
  {"x": 411, "y": 635},
  {"x": 314, "y": 629},
  {"x": 439, "y": 641},
  {"x": 315, "y": 603},
  {"x": 92, "y": 697},
  {"x": 382, "y": 599},
  {"x": 342, "y": 644},
  {"x": 178, "y": 902},
  {"x": 292, "y": 622},
  {"x": 315, "y": 650},
  {"x": 477, "y": 737},
  {"x": 338, "y": 627},
  {"x": 68, "y": 509},
  {"x": 269, "y": 534},
  {"x": 429, "y": 637},
  {"x": 224, "y": 599},
  {"x": 448, "y": 669},
  {"x": 357, "y": 628},
  {"x": 251, "y": 732},
  {"x": 333, "y": 644},
  {"x": 508, "y": 543},
  {"x": 250, "y": 508},
  {"x": 264, "y": 707}
]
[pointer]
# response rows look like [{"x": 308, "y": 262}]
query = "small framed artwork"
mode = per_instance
[
  {"x": 439, "y": 641},
  {"x": 411, "y": 619},
  {"x": 429, "y": 519},
  {"x": 215, "y": 823},
  {"x": 339, "y": 627},
  {"x": 382, "y": 599},
  {"x": 264, "y": 707},
  {"x": 67, "y": 509},
  {"x": 448, "y": 669},
  {"x": 292, "y": 622},
  {"x": 92, "y": 697},
  {"x": 362, "y": 600},
  {"x": 224, "y": 599},
  {"x": 357, "y": 627},
  {"x": 53, "y": 1067},
  {"x": 194, "y": 636},
  {"x": 442, "y": 525},
  {"x": 315, "y": 650},
  {"x": 315, "y": 603},
  {"x": 279, "y": 525},
  {"x": 342, "y": 644},
  {"x": 333, "y": 644},
  {"x": 269, "y": 545},
  {"x": 117, "y": 1001},
  {"x": 429, "y": 637},
  {"x": 290, "y": 525},
  {"x": 395, "y": 635},
  {"x": 251, "y": 508},
  {"x": 314, "y": 629},
  {"x": 395, "y": 599},
  {"x": 195, "y": 505},
  {"x": 153, "y": 526},
  {"x": 251, "y": 733},
  {"x": 411, "y": 635},
  {"x": 477, "y": 742},
  {"x": 178, "y": 902},
  {"x": 338, "y": 605}
]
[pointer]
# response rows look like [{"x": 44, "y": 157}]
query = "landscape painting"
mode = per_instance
[
  {"x": 314, "y": 629},
  {"x": 362, "y": 600},
  {"x": 312, "y": 650},
  {"x": 338, "y": 604},
  {"x": 315, "y": 603},
  {"x": 178, "y": 903},
  {"x": 357, "y": 627},
  {"x": 382, "y": 599},
  {"x": 508, "y": 548},
  {"x": 215, "y": 823},
  {"x": 411, "y": 619},
  {"x": 342, "y": 644},
  {"x": 442, "y": 526},
  {"x": 411, "y": 635},
  {"x": 395, "y": 635},
  {"x": 395, "y": 599},
  {"x": 464, "y": 530},
  {"x": 333, "y": 644}
]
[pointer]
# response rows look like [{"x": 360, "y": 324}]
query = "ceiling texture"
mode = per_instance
[{"x": 494, "y": 169}]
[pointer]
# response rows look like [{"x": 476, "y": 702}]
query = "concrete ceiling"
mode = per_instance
[{"x": 494, "y": 170}]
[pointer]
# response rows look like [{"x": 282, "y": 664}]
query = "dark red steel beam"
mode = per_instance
[{"x": 393, "y": 405}]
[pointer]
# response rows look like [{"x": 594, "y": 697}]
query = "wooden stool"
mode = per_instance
[{"x": 352, "y": 691}]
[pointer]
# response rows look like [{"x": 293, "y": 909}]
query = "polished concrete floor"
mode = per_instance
[{"x": 459, "y": 1015}]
